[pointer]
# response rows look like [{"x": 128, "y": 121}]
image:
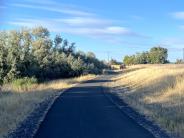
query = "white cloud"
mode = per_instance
[
  {"x": 115, "y": 30},
  {"x": 107, "y": 33},
  {"x": 72, "y": 20},
  {"x": 178, "y": 15},
  {"x": 54, "y": 8},
  {"x": 118, "y": 30},
  {"x": 181, "y": 27},
  {"x": 50, "y": 3},
  {"x": 43, "y": 2},
  {"x": 31, "y": 23},
  {"x": 79, "y": 30},
  {"x": 84, "y": 21},
  {"x": 173, "y": 43}
]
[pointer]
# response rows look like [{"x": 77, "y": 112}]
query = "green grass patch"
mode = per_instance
[{"x": 24, "y": 84}]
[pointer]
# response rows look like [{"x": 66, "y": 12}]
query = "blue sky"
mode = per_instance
[{"x": 117, "y": 27}]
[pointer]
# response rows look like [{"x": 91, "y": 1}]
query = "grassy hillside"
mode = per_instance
[
  {"x": 156, "y": 91},
  {"x": 18, "y": 101}
]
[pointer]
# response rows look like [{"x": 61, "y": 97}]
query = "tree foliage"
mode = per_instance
[
  {"x": 156, "y": 55},
  {"x": 32, "y": 53},
  {"x": 114, "y": 62}
]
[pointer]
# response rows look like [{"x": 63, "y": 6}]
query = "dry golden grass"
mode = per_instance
[
  {"x": 115, "y": 67},
  {"x": 156, "y": 91},
  {"x": 17, "y": 104}
]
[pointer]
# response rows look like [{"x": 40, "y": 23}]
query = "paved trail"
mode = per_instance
[{"x": 85, "y": 112}]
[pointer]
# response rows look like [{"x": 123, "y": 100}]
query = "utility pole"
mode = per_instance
[
  {"x": 183, "y": 54},
  {"x": 108, "y": 55}
]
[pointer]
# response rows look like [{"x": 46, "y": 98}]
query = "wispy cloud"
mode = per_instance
[
  {"x": 84, "y": 21},
  {"x": 178, "y": 15},
  {"x": 64, "y": 27},
  {"x": 73, "y": 20},
  {"x": 42, "y": 2},
  {"x": 32, "y": 23},
  {"x": 49, "y": 3},
  {"x": 63, "y": 10},
  {"x": 173, "y": 42},
  {"x": 181, "y": 27},
  {"x": 111, "y": 30}
]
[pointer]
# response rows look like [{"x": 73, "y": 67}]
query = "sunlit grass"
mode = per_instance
[
  {"x": 157, "y": 91},
  {"x": 16, "y": 103}
]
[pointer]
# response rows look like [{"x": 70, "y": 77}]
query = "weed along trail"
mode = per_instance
[{"x": 84, "y": 111}]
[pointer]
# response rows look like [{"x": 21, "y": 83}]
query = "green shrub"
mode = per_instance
[
  {"x": 33, "y": 52},
  {"x": 24, "y": 83}
]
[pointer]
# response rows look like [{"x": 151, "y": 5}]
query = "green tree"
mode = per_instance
[
  {"x": 90, "y": 55},
  {"x": 3, "y": 53},
  {"x": 13, "y": 56},
  {"x": 32, "y": 53},
  {"x": 158, "y": 55},
  {"x": 114, "y": 62},
  {"x": 129, "y": 60},
  {"x": 41, "y": 48},
  {"x": 57, "y": 42},
  {"x": 25, "y": 55},
  {"x": 142, "y": 58}
]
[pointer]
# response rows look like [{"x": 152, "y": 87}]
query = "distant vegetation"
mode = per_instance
[
  {"x": 114, "y": 62},
  {"x": 33, "y": 53},
  {"x": 156, "y": 55},
  {"x": 179, "y": 61}
]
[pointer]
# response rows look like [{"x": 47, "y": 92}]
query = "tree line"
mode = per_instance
[
  {"x": 31, "y": 52},
  {"x": 156, "y": 55}
]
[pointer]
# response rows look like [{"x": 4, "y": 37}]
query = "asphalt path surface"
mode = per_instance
[{"x": 85, "y": 112}]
